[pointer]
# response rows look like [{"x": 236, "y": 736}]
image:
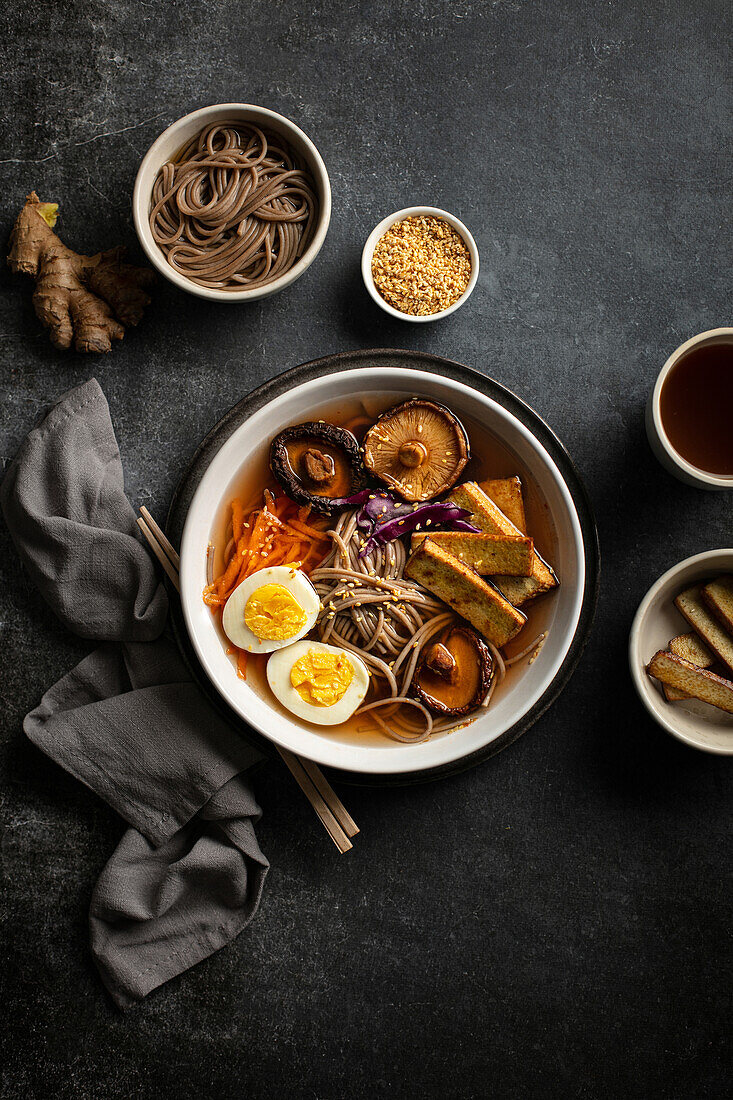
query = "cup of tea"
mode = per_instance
[{"x": 689, "y": 414}]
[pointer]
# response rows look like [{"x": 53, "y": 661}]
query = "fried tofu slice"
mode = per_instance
[
  {"x": 718, "y": 595},
  {"x": 477, "y": 601},
  {"x": 697, "y": 613},
  {"x": 487, "y": 515},
  {"x": 506, "y": 555},
  {"x": 506, "y": 493},
  {"x": 520, "y": 590},
  {"x": 489, "y": 518},
  {"x": 675, "y": 671},
  {"x": 693, "y": 650}
]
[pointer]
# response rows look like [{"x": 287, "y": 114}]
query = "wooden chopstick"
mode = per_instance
[
  {"x": 329, "y": 796},
  {"x": 311, "y": 790},
  {"x": 336, "y": 819},
  {"x": 160, "y": 554},
  {"x": 162, "y": 539}
]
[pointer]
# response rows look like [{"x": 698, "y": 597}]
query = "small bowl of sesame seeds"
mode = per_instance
[{"x": 420, "y": 264}]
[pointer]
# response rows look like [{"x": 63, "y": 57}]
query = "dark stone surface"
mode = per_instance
[{"x": 557, "y": 922}]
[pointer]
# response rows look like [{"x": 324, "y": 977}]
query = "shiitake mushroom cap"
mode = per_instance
[
  {"x": 419, "y": 448},
  {"x": 454, "y": 690},
  {"x": 317, "y": 463}
]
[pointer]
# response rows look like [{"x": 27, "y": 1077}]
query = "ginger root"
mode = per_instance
[{"x": 87, "y": 299}]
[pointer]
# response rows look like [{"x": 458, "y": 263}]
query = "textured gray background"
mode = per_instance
[{"x": 557, "y": 922}]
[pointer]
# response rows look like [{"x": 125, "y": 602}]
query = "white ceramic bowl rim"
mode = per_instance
[
  {"x": 711, "y": 336},
  {"x": 664, "y": 713},
  {"x": 153, "y": 160},
  {"x": 351, "y": 756},
  {"x": 379, "y": 231}
]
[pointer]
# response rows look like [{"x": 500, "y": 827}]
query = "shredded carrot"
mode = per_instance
[
  {"x": 242, "y": 656},
  {"x": 275, "y": 532},
  {"x": 237, "y": 519},
  {"x": 305, "y": 529},
  {"x": 225, "y": 582}
]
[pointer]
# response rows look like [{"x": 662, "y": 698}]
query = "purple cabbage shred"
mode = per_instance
[{"x": 382, "y": 517}]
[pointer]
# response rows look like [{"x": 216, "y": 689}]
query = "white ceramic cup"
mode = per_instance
[
  {"x": 658, "y": 439},
  {"x": 166, "y": 147},
  {"x": 381, "y": 229}
]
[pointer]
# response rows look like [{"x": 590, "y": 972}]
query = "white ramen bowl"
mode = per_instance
[
  {"x": 561, "y": 610},
  {"x": 656, "y": 622},
  {"x": 165, "y": 148}
]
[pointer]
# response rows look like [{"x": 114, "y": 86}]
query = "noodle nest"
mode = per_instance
[
  {"x": 371, "y": 609},
  {"x": 235, "y": 210}
]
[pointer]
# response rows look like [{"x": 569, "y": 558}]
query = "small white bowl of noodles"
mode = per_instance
[
  {"x": 232, "y": 203},
  {"x": 238, "y": 468}
]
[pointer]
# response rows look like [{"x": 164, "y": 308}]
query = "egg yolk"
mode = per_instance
[
  {"x": 273, "y": 613},
  {"x": 321, "y": 679}
]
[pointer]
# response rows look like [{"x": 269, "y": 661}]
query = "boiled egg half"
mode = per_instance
[
  {"x": 270, "y": 609},
  {"x": 319, "y": 682}
]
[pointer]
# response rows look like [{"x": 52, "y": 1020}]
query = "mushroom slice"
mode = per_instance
[
  {"x": 454, "y": 674},
  {"x": 317, "y": 463},
  {"x": 418, "y": 448}
]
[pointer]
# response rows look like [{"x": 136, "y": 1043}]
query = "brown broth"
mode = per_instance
[
  {"x": 695, "y": 406},
  {"x": 489, "y": 459}
]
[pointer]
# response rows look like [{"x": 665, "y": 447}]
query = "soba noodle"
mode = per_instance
[
  {"x": 370, "y": 608},
  {"x": 235, "y": 210}
]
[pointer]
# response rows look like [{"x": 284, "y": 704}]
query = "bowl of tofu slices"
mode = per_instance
[{"x": 681, "y": 651}]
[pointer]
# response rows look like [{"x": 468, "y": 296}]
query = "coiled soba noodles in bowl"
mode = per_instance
[{"x": 235, "y": 209}]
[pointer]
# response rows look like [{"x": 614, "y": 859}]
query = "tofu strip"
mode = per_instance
[
  {"x": 506, "y": 493},
  {"x": 693, "y": 650},
  {"x": 698, "y": 615},
  {"x": 490, "y": 518},
  {"x": 718, "y": 595},
  {"x": 670, "y": 669},
  {"x": 506, "y": 555},
  {"x": 469, "y": 595}
]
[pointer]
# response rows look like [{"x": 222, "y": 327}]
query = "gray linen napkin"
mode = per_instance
[
  {"x": 128, "y": 721},
  {"x": 74, "y": 528}
]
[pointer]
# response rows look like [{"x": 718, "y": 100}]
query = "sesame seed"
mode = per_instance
[{"x": 421, "y": 265}]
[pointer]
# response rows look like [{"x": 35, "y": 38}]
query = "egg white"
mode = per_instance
[
  {"x": 299, "y": 587},
  {"x": 278, "y": 677}
]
